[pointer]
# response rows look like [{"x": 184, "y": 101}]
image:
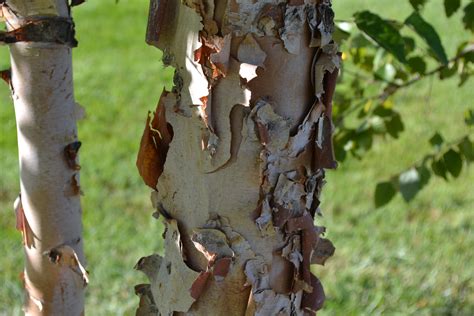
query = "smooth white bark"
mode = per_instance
[{"x": 42, "y": 91}]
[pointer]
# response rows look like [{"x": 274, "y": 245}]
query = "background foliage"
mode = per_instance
[
  {"x": 384, "y": 56},
  {"x": 398, "y": 259}
]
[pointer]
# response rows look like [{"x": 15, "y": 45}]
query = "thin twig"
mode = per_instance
[{"x": 393, "y": 87}]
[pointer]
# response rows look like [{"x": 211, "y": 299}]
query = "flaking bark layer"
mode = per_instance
[{"x": 251, "y": 120}]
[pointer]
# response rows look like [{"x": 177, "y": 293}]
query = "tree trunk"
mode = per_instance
[
  {"x": 239, "y": 146},
  {"x": 40, "y": 35}
]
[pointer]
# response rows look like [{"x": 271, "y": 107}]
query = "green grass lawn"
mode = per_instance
[{"x": 402, "y": 259}]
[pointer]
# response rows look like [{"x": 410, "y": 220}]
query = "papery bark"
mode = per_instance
[
  {"x": 245, "y": 168},
  {"x": 48, "y": 207}
]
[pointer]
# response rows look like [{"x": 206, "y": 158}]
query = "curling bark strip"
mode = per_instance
[
  {"x": 251, "y": 119},
  {"x": 40, "y": 35}
]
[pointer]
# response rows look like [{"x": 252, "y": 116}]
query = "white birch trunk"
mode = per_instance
[{"x": 48, "y": 210}]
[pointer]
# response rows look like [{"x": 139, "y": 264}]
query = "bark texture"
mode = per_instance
[
  {"x": 235, "y": 156},
  {"x": 40, "y": 35}
]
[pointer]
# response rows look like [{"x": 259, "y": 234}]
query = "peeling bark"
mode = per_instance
[
  {"x": 245, "y": 168},
  {"x": 40, "y": 35}
]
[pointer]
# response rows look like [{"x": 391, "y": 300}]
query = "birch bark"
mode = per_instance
[
  {"x": 235, "y": 156},
  {"x": 48, "y": 209}
]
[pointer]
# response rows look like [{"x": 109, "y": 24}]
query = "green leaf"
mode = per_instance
[
  {"x": 340, "y": 35},
  {"x": 466, "y": 147},
  {"x": 453, "y": 161},
  {"x": 469, "y": 57},
  {"x": 448, "y": 71},
  {"x": 340, "y": 153},
  {"x": 409, "y": 184},
  {"x": 383, "y": 111},
  {"x": 409, "y": 44},
  {"x": 439, "y": 168},
  {"x": 401, "y": 75},
  {"x": 384, "y": 193},
  {"x": 436, "y": 140},
  {"x": 469, "y": 117},
  {"x": 381, "y": 32},
  {"x": 429, "y": 34},
  {"x": 342, "y": 143},
  {"x": 364, "y": 140},
  {"x": 418, "y": 4},
  {"x": 417, "y": 65},
  {"x": 395, "y": 125},
  {"x": 451, "y": 6},
  {"x": 463, "y": 77},
  {"x": 462, "y": 46},
  {"x": 425, "y": 174},
  {"x": 468, "y": 18}
]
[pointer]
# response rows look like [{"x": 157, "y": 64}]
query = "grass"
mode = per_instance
[{"x": 402, "y": 259}]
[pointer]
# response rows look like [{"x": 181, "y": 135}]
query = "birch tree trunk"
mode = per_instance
[
  {"x": 235, "y": 155},
  {"x": 40, "y": 35}
]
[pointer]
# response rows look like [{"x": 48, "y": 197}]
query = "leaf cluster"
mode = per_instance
[{"x": 383, "y": 57}]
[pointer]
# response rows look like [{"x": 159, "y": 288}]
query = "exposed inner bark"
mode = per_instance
[
  {"x": 251, "y": 115},
  {"x": 48, "y": 210}
]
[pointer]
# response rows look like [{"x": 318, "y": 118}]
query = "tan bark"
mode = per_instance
[
  {"x": 236, "y": 155},
  {"x": 48, "y": 208}
]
